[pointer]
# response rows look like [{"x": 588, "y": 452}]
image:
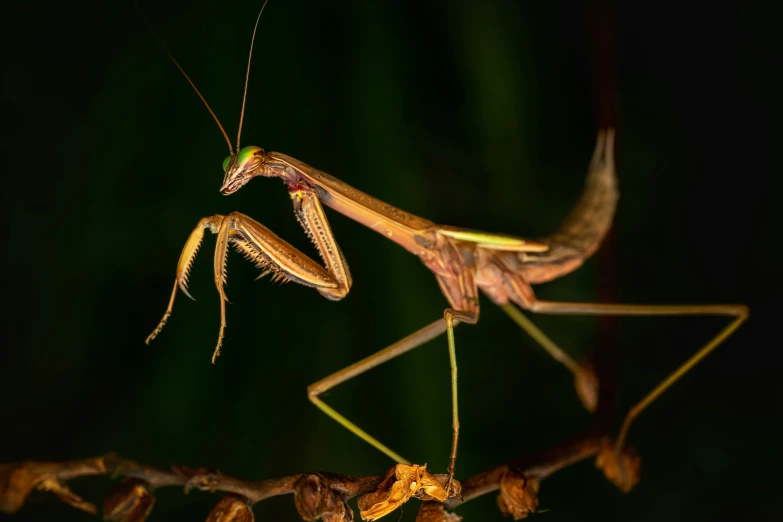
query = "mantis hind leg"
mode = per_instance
[
  {"x": 613, "y": 460},
  {"x": 585, "y": 380},
  {"x": 739, "y": 312}
]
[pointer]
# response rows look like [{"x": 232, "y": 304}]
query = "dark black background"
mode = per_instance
[{"x": 473, "y": 114}]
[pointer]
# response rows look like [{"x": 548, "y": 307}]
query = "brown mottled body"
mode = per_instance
[{"x": 460, "y": 266}]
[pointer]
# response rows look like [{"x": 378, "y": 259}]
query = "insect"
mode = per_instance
[{"x": 504, "y": 267}]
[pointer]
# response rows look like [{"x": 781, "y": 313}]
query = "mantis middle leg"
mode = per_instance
[{"x": 462, "y": 292}]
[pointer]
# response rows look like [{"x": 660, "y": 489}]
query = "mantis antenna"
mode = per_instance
[
  {"x": 247, "y": 74},
  {"x": 171, "y": 56}
]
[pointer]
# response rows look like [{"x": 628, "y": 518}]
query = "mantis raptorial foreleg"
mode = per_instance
[
  {"x": 273, "y": 254},
  {"x": 268, "y": 252}
]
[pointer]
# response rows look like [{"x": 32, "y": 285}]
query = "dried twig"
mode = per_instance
[{"x": 316, "y": 495}]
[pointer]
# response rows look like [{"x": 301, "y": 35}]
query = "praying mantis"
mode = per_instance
[{"x": 504, "y": 267}]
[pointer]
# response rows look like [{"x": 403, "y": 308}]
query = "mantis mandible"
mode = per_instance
[{"x": 463, "y": 261}]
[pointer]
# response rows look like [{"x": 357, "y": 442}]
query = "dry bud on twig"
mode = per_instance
[
  {"x": 129, "y": 501},
  {"x": 231, "y": 508},
  {"x": 66, "y": 495},
  {"x": 314, "y": 499},
  {"x": 205, "y": 479},
  {"x": 18, "y": 480},
  {"x": 410, "y": 481},
  {"x": 317, "y": 495},
  {"x": 435, "y": 512},
  {"x": 342, "y": 512},
  {"x": 518, "y": 495},
  {"x": 621, "y": 467},
  {"x": 586, "y": 384}
]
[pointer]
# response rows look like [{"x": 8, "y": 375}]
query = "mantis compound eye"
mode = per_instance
[
  {"x": 241, "y": 167},
  {"x": 246, "y": 155}
]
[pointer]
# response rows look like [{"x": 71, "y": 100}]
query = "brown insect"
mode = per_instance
[{"x": 504, "y": 267}]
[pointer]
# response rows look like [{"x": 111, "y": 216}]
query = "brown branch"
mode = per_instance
[
  {"x": 317, "y": 495},
  {"x": 538, "y": 466}
]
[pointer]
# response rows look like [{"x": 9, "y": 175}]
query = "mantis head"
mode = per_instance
[{"x": 242, "y": 166}]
